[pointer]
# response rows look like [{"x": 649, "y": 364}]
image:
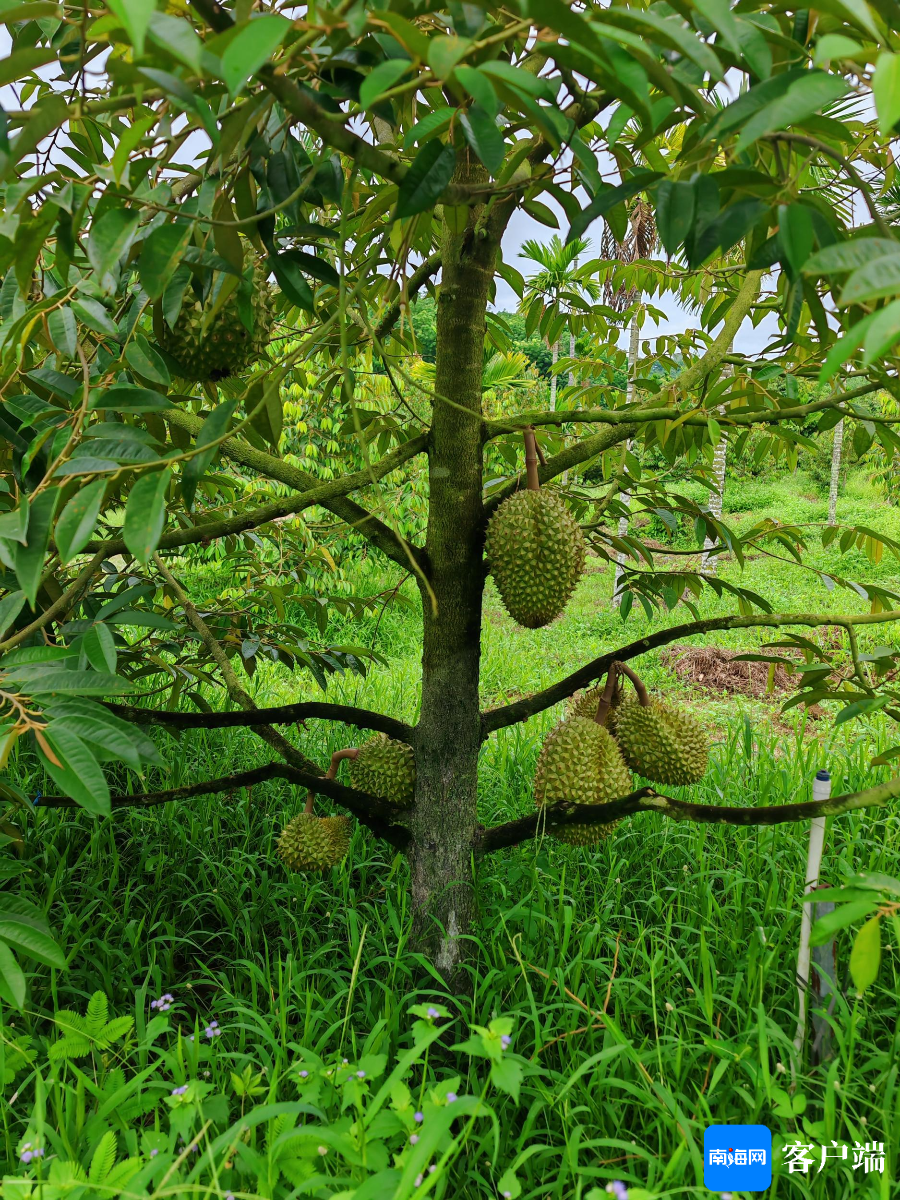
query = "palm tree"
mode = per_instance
[
  {"x": 557, "y": 290},
  {"x": 639, "y": 242}
]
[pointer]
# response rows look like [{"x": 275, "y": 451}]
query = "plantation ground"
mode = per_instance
[{"x": 651, "y": 979}]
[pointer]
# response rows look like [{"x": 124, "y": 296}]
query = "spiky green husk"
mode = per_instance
[
  {"x": 586, "y": 704},
  {"x": 310, "y": 843},
  {"x": 662, "y": 743},
  {"x": 536, "y": 551},
  {"x": 581, "y": 763},
  {"x": 228, "y": 347},
  {"x": 385, "y": 768}
]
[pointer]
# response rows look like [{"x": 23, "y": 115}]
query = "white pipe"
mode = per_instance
[{"x": 821, "y": 791}]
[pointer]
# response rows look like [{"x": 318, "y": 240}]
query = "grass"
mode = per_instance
[{"x": 650, "y": 979}]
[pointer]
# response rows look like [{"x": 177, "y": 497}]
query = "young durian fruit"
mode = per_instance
[
  {"x": 227, "y": 347},
  {"x": 666, "y": 745},
  {"x": 386, "y": 768},
  {"x": 311, "y": 843},
  {"x": 536, "y": 550},
  {"x": 580, "y": 762}
]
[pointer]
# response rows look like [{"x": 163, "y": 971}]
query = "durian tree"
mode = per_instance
[{"x": 207, "y": 206}]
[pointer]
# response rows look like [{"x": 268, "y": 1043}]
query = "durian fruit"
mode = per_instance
[
  {"x": 581, "y": 763},
  {"x": 537, "y": 554},
  {"x": 228, "y": 347},
  {"x": 661, "y": 743},
  {"x": 386, "y": 768},
  {"x": 311, "y": 843},
  {"x": 587, "y": 703}
]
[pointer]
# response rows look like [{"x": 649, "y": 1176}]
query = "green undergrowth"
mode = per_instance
[{"x": 647, "y": 984}]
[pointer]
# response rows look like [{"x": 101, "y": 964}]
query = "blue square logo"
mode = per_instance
[{"x": 737, "y": 1158}]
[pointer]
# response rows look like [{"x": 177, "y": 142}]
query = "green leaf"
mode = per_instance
[
  {"x": 29, "y": 559},
  {"x": 178, "y": 37},
  {"x": 256, "y": 42},
  {"x": 883, "y": 333},
  {"x": 215, "y": 425},
  {"x": 886, "y": 91},
  {"x": 506, "y": 1074},
  {"x": 125, "y": 398},
  {"x": 430, "y": 172},
  {"x": 481, "y": 132},
  {"x": 795, "y": 234},
  {"x": 95, "y": 316},
  {"x": 10, "y": 607},
  {"x": 847, "y": 256},
  {"x": 145, "y": 514},
  {"x": 64, "y": 331},
  {"x": 720, "y": 16},
  {"x": 76, "y": 772},
  {"x": 381, "y": 79},
  {"x": 14, "y": 524},
  {"x": 445, "y": 52},
  {"x": 161, "y": 254},
  {"x": 12, "y": 977},
  {"x": 842, "y": 916},
  {"x": 135, "y": 16},
  {"x": 78, "y": 519},
  {"x": 813, "y": 91},
  {"x": 606, "y": 200},
  {"x": 878, "y": 278},
  {"x": 111, "y": 237},
  {"x": 865, "y": 957},
  {"x": 674, "y": 211},
  {"x": 480, "y": 88},
  {"x": 148, "y": 363},
  {"x": 26, "y": 928},
  {"x": 290, "y": 279},
  {"x": 100, "y": 648}
]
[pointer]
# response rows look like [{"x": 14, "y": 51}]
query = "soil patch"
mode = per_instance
[{"x": 716, "y": 670}]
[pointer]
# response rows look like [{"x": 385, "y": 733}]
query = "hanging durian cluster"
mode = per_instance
[
  {"x": 227, "y": 347},
  {"x": 536, "y": 550},
  {"x": 311, "y": 843},
  {"x": 588, "y": 758},
  {"x": 385, "y": 768}
]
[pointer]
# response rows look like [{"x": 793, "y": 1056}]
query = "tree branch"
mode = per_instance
[
  {"x": 209, "y": 531},
  {"x": 521, "y": 710},
  {"x": 642, "y": 416},
  {"x": 647, "y": 799},
  {"x": 286, "y": 714},
  {"x": 410, "y": 288},
  {"x": 578, "y": 452},
  {"x": 359, "y": 518},
  {"x": 368, "y": 810}
]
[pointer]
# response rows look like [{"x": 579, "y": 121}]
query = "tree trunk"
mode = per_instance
[
  {"x": 633, "y": 349},
  {"x": 572, "y": 356},
  {"x": 554, "y": 360},
  {"x": 720, "y": 458},
  {"x": 447, "y": 738},
  {"x": 835, "y": 472}
]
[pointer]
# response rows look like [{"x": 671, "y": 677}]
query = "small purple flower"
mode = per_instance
[
  {"x": 432, "y": 1169},
  {"x": 212, "y": 1030},
  {"x": 413, "y": 1138},
  {"x": 451, "y": 1097},
  {"x": 193, "y": 1147},
  {"x": 618, "y": 1189},
  {"x": 506, "y": 1041},
  {"x": 360, "y": 1074},
  {"x": 180, "y": 1091},
  {"x": 164, "y": 1003},
  {"x": 154, "y": 1152},
  {"x": 418, "y": 1181},
  {"x": 346, "y": 1060},
  {"x": 304, "y": 1074},
  {"x": 420, "y": 1117},
  {"x": 433, "y": 1012}
]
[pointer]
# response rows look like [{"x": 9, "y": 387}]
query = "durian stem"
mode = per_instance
[
  {"x": 531, "y": 460},
  {"x": 608, "y": 692},
  {"x": 336, "y": 760},
  {"x": 639, "y": 686}
]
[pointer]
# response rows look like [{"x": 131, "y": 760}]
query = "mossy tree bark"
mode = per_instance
[{"x": 448, "y": 736}]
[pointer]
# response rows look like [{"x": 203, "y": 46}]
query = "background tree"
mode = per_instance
[{"x": 237, "y": 177}]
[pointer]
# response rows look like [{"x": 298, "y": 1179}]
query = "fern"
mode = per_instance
[
  {"x": 93, "y": 1031},
  {"x": 104, "y": 1158}
]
